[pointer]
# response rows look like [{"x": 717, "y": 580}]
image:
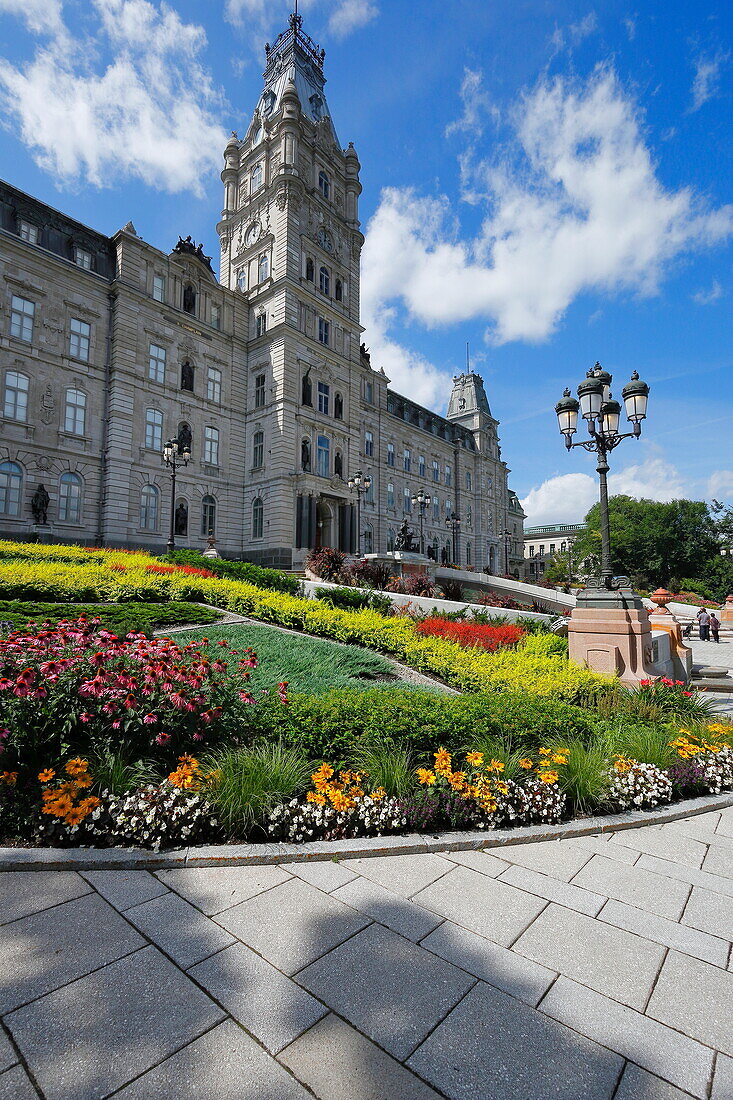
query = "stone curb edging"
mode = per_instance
[{"x": 251, "y": 855}]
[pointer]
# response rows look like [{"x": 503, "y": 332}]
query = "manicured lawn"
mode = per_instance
[
  {"x": 118, "y": 617},
  {"x": 310, "y": 665}
]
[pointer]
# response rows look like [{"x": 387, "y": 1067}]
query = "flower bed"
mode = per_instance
[{"x": 469, "y": 634}]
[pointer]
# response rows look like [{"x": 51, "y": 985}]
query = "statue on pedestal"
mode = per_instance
[
  {"x": 39, "y": 505},
  {"x": 405, "y": 540}
]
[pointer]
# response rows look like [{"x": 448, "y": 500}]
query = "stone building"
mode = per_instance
[
  {"x": 542, "y": 545},
  {"x": 109, "y": 347}
]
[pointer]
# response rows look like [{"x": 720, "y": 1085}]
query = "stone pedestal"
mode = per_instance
[
  {"x": 610, "y": 632},
  {"x": 405, "y": 563},
  {"x": 726, "y": 612},
  {"x": 663, "y": 619}
]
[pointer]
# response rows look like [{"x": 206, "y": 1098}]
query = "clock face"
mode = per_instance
[
  {"x": 324, "y": 240},
  {"x": 252, "y": 234}
]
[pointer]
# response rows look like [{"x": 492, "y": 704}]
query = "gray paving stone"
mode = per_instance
[
  {"x": 707, "y": 1010},
  {"x": 496, "y": 965},
  {"x": 719, "y": 861},
  {"x": 108, "y": 1027},
  {"x": 123, "y": 889},
  {"x": 292, "y": 925},
  {"x": 8, "y": 1057},
  {"x": 560, "y": 859},
  {"x": 403, "y": 875},
  {"x": 698, "y": 823},
  {"x": 723, "y": 1079},
  {"x": 387, "y": 987},
  {"x": 691, "y": 875},
  {"x": 646, "y": 890},
  {"x": 637, "y": 1084},
  {"x": 482, "y": 904},
  {"x": 607, "y": 959},
  {"x": 45, "y": 950},
  {"x": 725, "y": 825},
  {"x": 324, "y": 874},
  {"x": 493, "y": 1047},
  {"x": 654, "y": 840},
  {"x": 15, "y": 1084},
  {"x": 485, "y": 862},
  {"x": 272, "y": 1007},
  {"x": 224, "y": 1064},
  {"x": 335, "y": 1062},
  {"x": 552, "y": 889},
  {"x": 600, "y": 846},
  {"x": 179, "y": 929},
  {"x": 689, "y": 941},
  {"x": 657, "y": 1048},
  {"x": 26, "y": 892},
  {"x": 401, "y": 915},
  {"x": 214, "y": 889}
]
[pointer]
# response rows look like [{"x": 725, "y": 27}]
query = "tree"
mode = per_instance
[{"x": 652, "y": 540}]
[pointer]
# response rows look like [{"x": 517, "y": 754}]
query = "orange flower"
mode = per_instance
[
  {"x": 457, "y": 780},
  {"x": 526, "y": 762},
  {"x": 426, "y": 777},
  {"x": 77, "y": 766},
  {"x": 442, "y": 761},
  {"x": 89, "y": 804},
  {"x": 475, "y": 758},
  {"x": 495, "y": 766},
  {"x": 314, "y": 796},
  {"x": 46, "y": 776},
  {"x": 75, "y": 816},
  {"x": 9, "y": 778},
  {"x": 324, "y": 772},
  {"x": 549, "y": 777}
]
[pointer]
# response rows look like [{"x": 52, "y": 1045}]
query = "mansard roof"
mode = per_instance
[
  {"x": 419, "y": 417},
  {"x": 294, "y": 56}
]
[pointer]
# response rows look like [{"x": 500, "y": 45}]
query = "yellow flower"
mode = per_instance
[
  {"x": 559, "y": 759},
  {"x": 442, "y": 761},
  {"x": 378, "y": 794},
  {"x": 495, "y": 766},
  {"x": 314, "y": 796},
  {"x": 544, "y": 752},
  {"x": 77, "y": 766},
  {"x": 526, "y": 762},
  {"x": 426, "y": 777},
  {"x": 457, "y": 780},
  {"x": 475, "y": 758},
  {"x": 502, "y": 788},
  {"x": 324, "y": 772},
  {"x": 339, "y": 801},
  {"x": 47, "y": 775},
  {"x": 9, "y": 778},
  {"x": 549, "y": 777}
]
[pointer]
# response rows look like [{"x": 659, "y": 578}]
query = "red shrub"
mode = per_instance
[{"x": 472, "y": 634}]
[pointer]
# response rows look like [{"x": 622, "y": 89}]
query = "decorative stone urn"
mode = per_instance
[
  {"x": 726, "y": 612},
  {"x": 663, "y": 619},
  {"x": 661, "y": 598}
]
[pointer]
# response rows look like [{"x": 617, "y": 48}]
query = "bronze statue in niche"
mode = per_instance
[{"x": 39, "y": 505}]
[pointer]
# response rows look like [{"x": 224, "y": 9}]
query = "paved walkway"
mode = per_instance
[
  {"x": 583, "y": 969},
  {"x": 718, "y": 655}
]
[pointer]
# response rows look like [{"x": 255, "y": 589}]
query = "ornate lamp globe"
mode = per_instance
[
  {"x": 590, "y": 393},
  {"x": 636, "y": 395},
  {"x": 611, "y": 413},
  {"x": 604, "y": 377},
  {"x": 567, "y": 415}
]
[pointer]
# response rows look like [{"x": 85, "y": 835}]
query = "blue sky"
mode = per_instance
[{"x": 550, "y": 182}]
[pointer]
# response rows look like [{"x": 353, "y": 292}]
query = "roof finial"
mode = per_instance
[{"x": 468, "y": 358}]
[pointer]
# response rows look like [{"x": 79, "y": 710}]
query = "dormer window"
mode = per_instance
[
  {"x": 268, "y": 102},
  {"x": 82, "y": 258},
  {"x": 28, "y": 232},
  {"x": 256, "y": 178},
  {"x": 324, "y": 185},
  {"x": 316, "y": 103}
]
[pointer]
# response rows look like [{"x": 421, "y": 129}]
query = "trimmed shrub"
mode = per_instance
[
  {"x": 238, "y": 570},
  {"x": 353, "y": 599},
  {"x": 472, "y": 634}
]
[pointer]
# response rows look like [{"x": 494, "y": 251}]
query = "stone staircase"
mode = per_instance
[{"x": 711, "y": 678}]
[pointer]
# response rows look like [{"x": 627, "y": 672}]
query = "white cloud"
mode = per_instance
[
  {"x": 573, "y": 34},
  {"x": 720, "y": 484},
  {"x": 476, "y": 103},
  {"x": 710, "y": 296},
  {"x": 629, "y": 23},
  {"x": 706, "y": 83},
  {"x": 264, "y": 17},
  {"x": 568, "y": 497},
  {"x": 574, "y": 206},
  {"x": 40, "y": 16},
  {"x": 351, "y": 15},
  {"x": 150, "y": 114}
]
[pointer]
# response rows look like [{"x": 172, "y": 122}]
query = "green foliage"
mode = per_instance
[
  {"x": 388, "y": 765},
  {"x": 652, "y": 706},
  {"x": 238, "y": 571},
  {"x": 354, "y": 599},
  {"x": 508, "y": 751},
  {"x": 248, "y": 782},
  {"x": 650, "y": 744},
  {"x": 113, "y": 771},
  {"x": 121, "y": 618},
  {"x": 717, "y": 576},
  {"x": 545, "y": 645},
  {"x": 652, "y": 538},
  {"x": 584, "y": 779}
]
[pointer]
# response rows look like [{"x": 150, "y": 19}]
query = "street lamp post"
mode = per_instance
[
  {"x": 453, "y": 523},
  {"x": 420, "y": 501},
  {"x": 359, "y": 484},
  {"x": 507, "y": 537},
  {"x": 602, "y": 414},
  {"x": 173, "y": 458}
]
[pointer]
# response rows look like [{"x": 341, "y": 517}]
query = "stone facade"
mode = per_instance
[
  {"x": 109, "y": 347},
  {"x": 543, "y": 544}
]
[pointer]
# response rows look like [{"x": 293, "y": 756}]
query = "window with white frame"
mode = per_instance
[
  {"x": 324, "y": 185},
  {"x": 390, "y": 539},
  {"x": 261, "y": 324},
  {"x": 369, "y": 392},
  {"x": 406, "y": 460},
  {"x": 260, "y": 391},
  {"x": 11, "y": 488},
  {"x": 154, "y": 429},
  {"x": 406, "y": 500},
  {"x": 28, "y": 232},
  {"x": 324, "y": 331},
  {"x": 469, "y": 481},
  {"x": 436, "y": 471},
  {"x": 436, "y": 508},
  {"x": 215, "y": 316},
  {"x": 324, "y": 280},
  {"x": 70, "y": 491},
  {"x": 390, "y": 454},
  {"x": 75, "y": 412},
  {"x": 159, "y": 288},
  {"x": 211, "y": 446},
  {"x": 390, "y": 495},
  {"x": 213, "y": 384},
  {"x": 156, "y": 363},
  {"x": 258, "y": 450},
  {"x": 79, "y": 336},
  {"x": 149, "y": 508},
  {"x": 323, "y": 456},
  {"x": 421, "y": 465},
  {"x": 369, "y": 444},
  {"x": 256, "y": 178},
  {"x": 242, "y": 279},
  {"x": 208, "y": 516},
  {"x": 82, "y": 258},
  {"x": 22, "y": 312},
  {"x": 448, "y": 475},
  {"x": 369, "y": 498},
  {"x": 324, "y": 398},
  {"x": 258, "y": 518},
  {"x": 15, "y": 398},
  {"x": 263, "y": 267},
  {"x": 448, "y": 507}
]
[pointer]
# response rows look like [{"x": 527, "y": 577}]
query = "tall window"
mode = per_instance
[
  {"x": 469, "y": 515},
  {"x": 448, "y": 475},
  {"x": 79, "y": 333},
  {"x": 28, "y": 232},
  {"x": 324, "y": 280},
  {"x": 324, "y": 398},
  {"x": 407, "y": 501},
  {"x": 259, "y": 391},
  {"x": 324, "y": 331},
  {"x": 406, "y": 460},
  {"x": 369, "y": 444},
  {"x": 369, "y": 498},
  {"x": 213, "y": 384},
  {"x": 70, "y": 498},
  {"x": 368, "y": 540},
  {"x": 15, "y": 402},
  {"x": 421, "y": 465},
  {"x": 75, "y": 412},
  {"x": 208, "y": 516},
  {"x": 159, "y": 288},
  {"x": 468, "y": 553},
  {"x": 448, "y": 507},
  {"x": 390, "y": 495},
  {"x": 258, "y": 450},
  {"x": 260, "y": 324},
  {"x": 258, "y": 518},
  {"x": 11, "y": 488},
  {"x": 154, "y": 430},
  {"x": 390, "y": 454},
  {"x": 21, "y": 318},
  {"x": 324, "y": 185},
  {"x": 242, "y": 279},
  {"x": 216, "y": 317},
  {"x": 309, "y": 270},
  {"x": 390, "y": 538},
  {"x": 436, "y": 508},
  {"x": 468, "y": 481},
  {"x": 211, "y": 446},
  {"x": 436, "y": 471},
  {"x": 339, "y": 291},
  {"x": 263, "y": 267},
  {"x": 323, "y": 467},
  {"x": 149, "y": 499},
  {"x": 82, "y": 258},
  {"x": 156, "y": 364},
  {"x": 256, "y": 178}
]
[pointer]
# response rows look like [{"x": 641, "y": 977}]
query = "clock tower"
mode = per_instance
[{"x": 291, "y": 246}]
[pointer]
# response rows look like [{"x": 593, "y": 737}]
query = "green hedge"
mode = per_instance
[
  {"x": 120, "y": 618},
  {"x": 238, "y": 571},
  {"x": 354, "y": 599}
]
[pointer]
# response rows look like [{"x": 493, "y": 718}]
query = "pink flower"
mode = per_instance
[
  {"x": 150, "y": 719},
  {"x": 162, "y": 738},
  {"x": 246, "y": 697},
  {"x": 116, "y": 724}
]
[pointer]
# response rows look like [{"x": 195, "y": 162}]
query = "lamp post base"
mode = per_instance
[{"x": 606, "y": 636}]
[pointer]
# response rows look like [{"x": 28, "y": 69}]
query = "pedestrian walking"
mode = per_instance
[
  {"x": 715, "y": 627},
  {"x": 703, "y": 622}
]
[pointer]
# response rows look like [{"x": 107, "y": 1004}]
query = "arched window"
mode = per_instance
[
  {"x": 70, "y": 498},
  {"x": 324, "y": 280},
  {"x": 258, "y": 519},
  {"x": 149, "y": 500},
  {"x": 390, "y": 539},
  {"x": 187, "y": 376},
  {"x": 242, "y": 279},
  {"x": 189, "y": 299},
  {"x": 11, "y": 488},
  {"x": 324, "y": 185},
  {"x": 258, "y": 450},
  {"x": 208, "y": 516},
  {"x": 323, "y": 460},
  {"x": 309, "y": 270},
  {"x": 256, "y": 178},
  {"x": 263, "y": 267},
  {"x": 339, "y": 291}
]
